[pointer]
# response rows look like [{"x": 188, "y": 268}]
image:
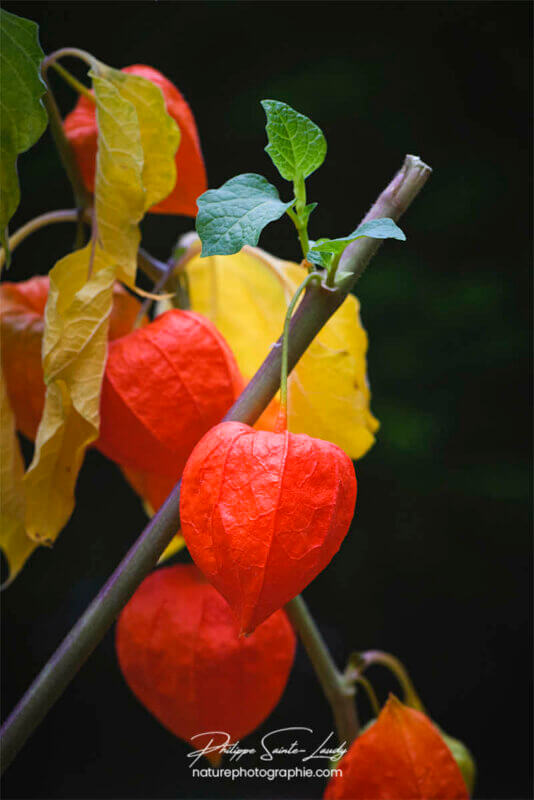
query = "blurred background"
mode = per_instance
[{"x": 436, "y": 568}]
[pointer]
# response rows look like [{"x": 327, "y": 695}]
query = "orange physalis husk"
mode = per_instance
[
  {"x": 401, "y": 756},
  {"x": 82, "y": 132},
  {"x": 154, "y": 487},
  {"x": 181, "y": 655},
  {"x": 263, "y": 513},
  {"x": 22, "y": 307},
  {"x": 164, "y": 386}
]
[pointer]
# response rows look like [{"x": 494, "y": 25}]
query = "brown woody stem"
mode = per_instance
[{"x": 316, "y": 308}]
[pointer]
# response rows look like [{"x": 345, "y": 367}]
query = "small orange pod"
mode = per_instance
[
  {"x": 263, "y": 513},
  {"x": 165, "y": 385},
  {"x": 180, "y": 653},
  {"x": 81, "y": 130},
  {"x": 402, "y": 756}
]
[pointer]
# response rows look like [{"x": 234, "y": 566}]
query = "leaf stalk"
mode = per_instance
[
  {"x": 77, "y": 85},
  {"x": 299, "y": 217},
  {"x": 313, "y": 276}
]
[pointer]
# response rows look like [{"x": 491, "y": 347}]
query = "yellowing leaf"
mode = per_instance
[
  {"x": 177, "y": 543},
  {"x": 137, "y": 141},
  {"x": 160, "y": 135},
  {"x": 16, "y": 546},
  {"x": 74, "y": 357},
  {"x": 135, "y": 170},
  {"x": 119, "y": 191},
  {"x": 246, "y": 296},
  {"x": 328, "y": 392}
]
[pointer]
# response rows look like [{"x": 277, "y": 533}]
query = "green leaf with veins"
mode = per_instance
[
  {"x": 22, "y": 115},
  {"x": 235, "y": 215},
  {"x": 383, "y": 228},
  {"x": 296, "y": 144}
]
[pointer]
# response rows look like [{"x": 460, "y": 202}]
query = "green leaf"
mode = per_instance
[
  {"x": 306, "y": 212},
  {"x": 343, "y": 277},
  {"x": 376, "y": 229},
  {"x": 235, "y": 215},
  {"x": 22, "y": 115},
  {"x": 320, "y": 259},
  {"x": 296, "y": 144}
]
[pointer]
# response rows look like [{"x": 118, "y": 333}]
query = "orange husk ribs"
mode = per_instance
[
  {"x": 22, "y": 307},
  {"x": 402, "y": 756},
  {"x": 165, "y": 385},
  {"x": 180, "y": 653},
  {"x": 263, "y": 513},
  {"x": 82, "y": 132}
]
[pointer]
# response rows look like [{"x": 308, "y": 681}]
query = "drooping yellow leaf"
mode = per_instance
[
  {"x": 160, "y": 136},
  {"x": 14, "y": 542},
  {"x": 135, "y": 169},
  {"x": 137, "y": 141},
  {"x": 74, "y": 357},
  {"x": 119, "y": 190},
  {"x": 246, "y": 296}
]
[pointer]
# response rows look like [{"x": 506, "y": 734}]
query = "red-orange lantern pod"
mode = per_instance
[
  {"x": 82, "y": 132},
  {"x": 402, "y": 756},
  {"x": 263, "y": 513},
  {"x": 165, "y": 385},
  {"x": 22, "y": 307},
  {"x": 180, "y": 653}
]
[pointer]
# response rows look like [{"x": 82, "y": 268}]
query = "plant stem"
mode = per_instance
[
  {"x": 74, "y": 52},
  {"x": 147, "y": 302},
  {"x": 371, "y": 694},
  {"x": 74, "y": 82},
  {"x": 359, "y": 662},
  {"x": 316, "y": 308},
  {"x": 338, "y": 692},
  {"x": 150, "y": 265},
  {"x": 82, "y": 197},
  {"x": 313, "y": 276},
  {"x": 301, "y": 223},
  {"x": 50, "y": 218}
]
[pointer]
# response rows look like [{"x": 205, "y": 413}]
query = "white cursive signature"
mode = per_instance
[{"x": 219, "y": 743}]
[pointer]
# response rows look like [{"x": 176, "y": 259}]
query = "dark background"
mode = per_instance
[{"x": 436, "y": 568}]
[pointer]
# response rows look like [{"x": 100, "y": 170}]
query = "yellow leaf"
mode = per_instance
[
  {"x": 119, "y": 191},
  {"x": 177, "y": 544},
  {"x": 15, "y": 544},
  {"x": 135, "y": 170},
  {"x": 137, "y": 141},
  {"x": 246, "y": 296},
  {"x": 160, "y": 135},
  {"x": 328, "y": 392},
  {"x": 74, "y": 357}
]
